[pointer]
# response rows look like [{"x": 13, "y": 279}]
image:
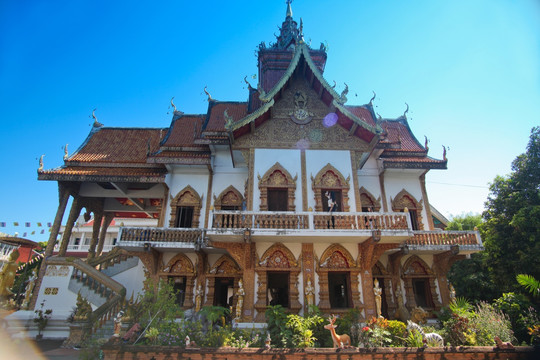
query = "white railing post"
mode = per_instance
[{"x": 311, "y": 220}]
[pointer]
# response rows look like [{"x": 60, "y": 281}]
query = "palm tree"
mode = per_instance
[{"x": 529, "y": 283}]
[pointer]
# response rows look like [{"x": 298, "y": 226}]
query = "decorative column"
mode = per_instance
[
  {"x": 74, "y": 213},
  {"x": 98, "y": 216},
  {"x": 109, "y": 216},
  {"x": 188, "y": 299},
  {"x": 308, "y": 268},
  {"x": 369, "y": 252},
  {"x": 249, "y": 280},
  {"x": 63, "y": 195},
  {"x": 324, "y": 293},
  {"x": 295, "y": 305},
  {"x": 394, "y": 263},
  {"x": 441, "y": 265},
  {"x": 383, "y": 192},
  {"x": 262, "y": 288}
]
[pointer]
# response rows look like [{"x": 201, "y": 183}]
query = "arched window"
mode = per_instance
[
  {"x": 330, "y": 182},
  {"x": 420, "y": 288},
  {"x": 223, "y": 280},
  {"x": 181, "y": 272},
  {"x": 369, "y": 203},
  {"x": 405, "y": 200},
  {"x": 277, "y": 273},
  {"x": 186, "y": 209},
  {"x": 338, "y": 279},
  {"x": 277, "y": 190}
]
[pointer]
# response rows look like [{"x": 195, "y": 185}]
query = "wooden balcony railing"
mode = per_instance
[
  {"x": 444, "y": 238},
  {"x": 151, "y": 234},
  {"x": 309, "y": 220}
]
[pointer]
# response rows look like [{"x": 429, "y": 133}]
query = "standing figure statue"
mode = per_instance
[
  {"x": 310, "y": 293},
  {"x": 240, "y": 303},
  {"x": 29, "y": 288},
  {"x": 7, "y": 276},
  {"x": 452, "y": 292},
  {"x": 198, "y": 298},
  {"x": 378, "y": 299},
  {"x": 118, "y": 324}
]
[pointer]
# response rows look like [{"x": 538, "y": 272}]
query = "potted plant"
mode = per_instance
[{"x": 41, "y": 319}]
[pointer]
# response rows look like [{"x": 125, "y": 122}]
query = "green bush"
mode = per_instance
[
  {"x": 398, "y": 331},
  {"x": 520, "y": 312},
  {"x": 488, "y": 322}
]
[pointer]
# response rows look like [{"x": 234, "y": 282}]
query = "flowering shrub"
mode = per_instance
[{"x": 375, "y": 334}]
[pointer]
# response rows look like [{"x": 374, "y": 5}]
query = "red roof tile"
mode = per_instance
[
  {"x": 399, "y": 133},
  {"x": 118, "y": 145},
  {"x": 184, "y": 131},
  {"x": 106, "y": 171},
  {"x": 362, "y": 113},
  {"x": 216, "y": 122}
]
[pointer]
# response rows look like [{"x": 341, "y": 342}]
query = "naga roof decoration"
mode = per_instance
[
  {"x": 268, "y": 99},
  {"x": 139, "y": 154}
]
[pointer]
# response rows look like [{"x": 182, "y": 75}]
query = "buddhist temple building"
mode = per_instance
[{"x": 293, "y": 194}]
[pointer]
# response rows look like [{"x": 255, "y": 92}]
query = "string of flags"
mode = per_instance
[{"x": 28, "y": 224}]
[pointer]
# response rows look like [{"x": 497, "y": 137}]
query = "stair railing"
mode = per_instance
[
  {"x": 113, "y": 291},
  {"x": 115, "y": 256}
]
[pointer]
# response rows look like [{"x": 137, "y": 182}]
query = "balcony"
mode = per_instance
[
  {"x": 436, "y": 241},
  {"x": 291, "y": 226},
  {"x": 136, "y": 238},
  {"x": 307, "y": 227}
]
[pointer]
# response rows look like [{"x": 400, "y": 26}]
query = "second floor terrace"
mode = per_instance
[{"x": 303, "y": 227}]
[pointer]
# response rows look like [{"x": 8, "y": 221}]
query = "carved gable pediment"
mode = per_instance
[{"x": 289, "y": 128}]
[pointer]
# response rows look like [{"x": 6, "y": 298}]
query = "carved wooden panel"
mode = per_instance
[
  {"x": 277, "y": 177},
  {"x": 405, "y": 200},
  {"x": 228, "y": 197}
]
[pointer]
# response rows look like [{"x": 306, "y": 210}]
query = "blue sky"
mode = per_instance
[{"x": 469, "y": 70}]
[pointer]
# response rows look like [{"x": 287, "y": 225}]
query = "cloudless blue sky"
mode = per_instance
[{"x": 470, "y": 71}]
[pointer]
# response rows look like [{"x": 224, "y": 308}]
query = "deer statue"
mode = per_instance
[{"x": 340, "y": 341}]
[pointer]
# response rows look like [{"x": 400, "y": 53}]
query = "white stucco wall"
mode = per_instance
[
  {"x": 62, "y": 300},
  {"x": 132, "y": 280},
  {"x": 179, "y": 178}
]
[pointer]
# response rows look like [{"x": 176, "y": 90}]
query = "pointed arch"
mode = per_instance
[
  {"x": 330, "y": 179},
  {"x": 337, "y": 269},
  {"x": 277, "y": 178},
  {"x": 416, "y": 266},
  {"x": 277, "y": 262},
  {"x": 230, "y": 198},
  {"x": 336, "y": 257},
  {"x": 404, "y": 200},
  {"x": 278, "y": 256},
  {"x": 379, "y": 270},
  {"x": 226, "y": 266},
  {"x": 180, "y": 264},
  {"x": 368, "y": 201},
  {"x": 186, "y": 200},
  {"x": 420, "y": 287}
]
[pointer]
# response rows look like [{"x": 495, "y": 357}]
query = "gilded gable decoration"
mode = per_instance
[
  {"x": 180, "y": 264},
  {"x": 301, "y": 115},
  {"x": 329, "y": 178},
  {"x": 278, "y": 256},
  {"x": 225, "y": 265},
  {"x": 187, "y": 197},
  {"x": 416, "y": 266},
  {"x": 228, "y": 197},
  {"x": 404, "y": 200},
  {"x": 277, "y": 178},
  {"x": 368, "y": 200},
  {"x": 336, "y": 257}
]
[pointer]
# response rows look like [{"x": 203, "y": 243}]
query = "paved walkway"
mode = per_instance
[{"x": 51, "y": 350}]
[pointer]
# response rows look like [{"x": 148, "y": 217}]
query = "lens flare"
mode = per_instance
[
  {"x": 330, "y": 120},
  {"x": 302, "y": 144}
]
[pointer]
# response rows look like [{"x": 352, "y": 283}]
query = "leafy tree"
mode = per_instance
[
  {"x": 512, "y": 220},
  {"x": 529, "y": 283},
  {"x": 465, "y": 222}
]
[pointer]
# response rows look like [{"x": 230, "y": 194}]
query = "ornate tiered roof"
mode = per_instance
[{"x": 124, "y": 154}]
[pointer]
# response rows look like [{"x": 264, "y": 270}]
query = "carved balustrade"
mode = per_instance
[
  {"x": 309, "y": 220},
  {"x": 422, "y": 238},
  {"x": 150, "y": 234}
]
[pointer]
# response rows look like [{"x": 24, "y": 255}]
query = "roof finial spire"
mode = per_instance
[
  {"x": 289, "y": 9},
  {"x": 208, "y": 94},
  {"x": 172, "y": 104},
  {"x": 406, "y": 110}
]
